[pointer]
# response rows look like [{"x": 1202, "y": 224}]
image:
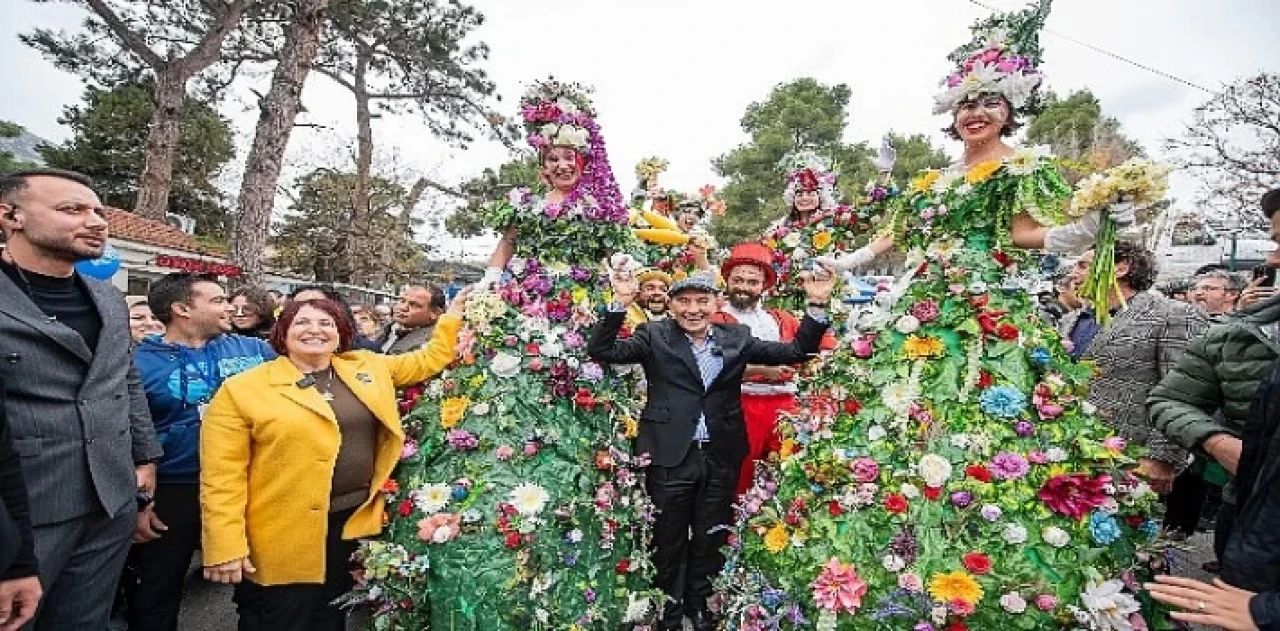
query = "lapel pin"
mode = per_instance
[{"x": 364, "y": 377}]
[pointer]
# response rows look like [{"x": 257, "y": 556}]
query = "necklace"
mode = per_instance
[{"x": 324, "y": 383}]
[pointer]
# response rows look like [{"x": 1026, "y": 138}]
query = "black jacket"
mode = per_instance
[
  {"x": 17, "y": 545},
  {"x": 1251, "y": 559},
  {"x": 676, "y": 395},
  {"x": 1264, "y": 608}
]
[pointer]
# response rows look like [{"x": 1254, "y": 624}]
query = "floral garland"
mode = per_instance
[
  {"x": 516, "y": 486},
  {"x": 944, "y": 470}
]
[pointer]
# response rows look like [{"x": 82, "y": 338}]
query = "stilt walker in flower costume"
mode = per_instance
[
  {"x": 518, "y": 506},
  {"x": 817, "y": 225},
  {"x": 945, "y": 472}
]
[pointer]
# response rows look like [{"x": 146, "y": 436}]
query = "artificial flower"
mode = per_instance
[
  {"x": 1074, "y": 495},
  {"x": 439, "y": 528},
  {"x": 982, "y": 171},
  {"x": 1104, "y": 528},
  {"x": 957, "y": 585},
  {"x": 1003, "y": 401},
  {"x": 922, "y": 347},
  {"x": 1014, "y": 534},
  {"x": 1025, "y": 160},
  {"x": 505, "y": 365},
  {"x": 431, "y": 498},
  {"x": 821, "y": 240},
  {"x": 935, "y": 470},
  {"x": 451, "y": 411},
  {"x": 864, "y": 469},
  {"x": 911, "y": 582},
  {"x": 528, "y": 499},
  {"x": 1012, "y": 602},
  {"x": 1046, "y": 602},
  {"x": 991, "y": 512},
  {"x": 925, "y": 311},
  {"x": 1009, "y": 466},
  {"x": 1107, "y": 605},
  {"x": 777, "y": 539},
  {"x": 1055, "y": 536},
  {"x": 976, "y": 562},
  {"x": 895, "y": 503},
  {"x": 923, "y": 182},
  {"x": 838, "y": 587}
]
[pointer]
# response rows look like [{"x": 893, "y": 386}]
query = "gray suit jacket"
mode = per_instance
[
  {"x": 1141, "y": 345},
  {"x": 408, "y": 342},
  {"x": 78, "y": 417}
]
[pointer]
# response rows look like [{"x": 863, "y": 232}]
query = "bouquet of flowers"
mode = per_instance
[{"x": 1138, "y": 182}]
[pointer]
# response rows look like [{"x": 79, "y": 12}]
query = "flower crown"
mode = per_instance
[
  {"x": 808, "y": 171},
  {"x": 1001, "y": 59},
  {"x": 557, "y": 114}
]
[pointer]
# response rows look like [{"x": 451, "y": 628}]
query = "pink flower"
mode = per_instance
[
  {"x": 862, "y": 348},
  {"x": 1009, "y": 466},
  {"x": 1046, "y": 602},
  {"x": 865, "y": 469},
  {"x": 531, "y": 449},
  {"x": 911, "y": 582},
  {"x": 439, "y": 528},
  {"x": 961, "y": 607},
  {"x": 410, "y": 448},
  {"x": 838, "y": 587},
  {"x": 1114, "y": 444},
  {"x": 1037, "y": 457},
  {"x": 1074, "y": 494},
  {"x": 504, "y": 452},
  {"x": 925, "y": 310}
]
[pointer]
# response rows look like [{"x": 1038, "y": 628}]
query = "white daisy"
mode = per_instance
[
  {"x": 528, "y": 499},
  {"x": 432, "y": 498}
]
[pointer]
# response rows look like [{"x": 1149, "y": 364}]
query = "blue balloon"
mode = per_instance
[{"x": 103, "y": 267}]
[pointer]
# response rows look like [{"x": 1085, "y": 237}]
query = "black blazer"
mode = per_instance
[
  {"x": 17, "y": 545},
  {"x": 676, "y": 394}
]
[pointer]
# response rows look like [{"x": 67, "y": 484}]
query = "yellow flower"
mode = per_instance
[
  {"x": 923, "y": 347},
  {"x": 821, "y": 240},
  {"x": 777, "y": 539},
  {"x": 958, "y": 585},
  {"x": 631, "y": 427},
  {"x": 477, "y": 380},
  {"x": 579, "y": 294},
  {"x": 789, "y": 448},
  {"x": 451, "y": 411},
  {"x": 922, "y": 183},
  {"x": 982, "y": 171},
  {"x": 772, "y": 244}
]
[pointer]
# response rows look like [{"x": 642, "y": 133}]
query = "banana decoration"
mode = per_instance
[{"x": 652, "y": 227}]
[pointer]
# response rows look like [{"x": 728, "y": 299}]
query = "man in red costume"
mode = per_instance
[{"x": 766, "y": 390}]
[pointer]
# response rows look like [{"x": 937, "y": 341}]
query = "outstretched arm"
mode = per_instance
[
  {"x": 860, "y": 256},
  {"x": 502, "y": 254}
]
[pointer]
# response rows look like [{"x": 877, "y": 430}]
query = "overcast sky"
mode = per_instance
[{"x": 672, "y": 77}]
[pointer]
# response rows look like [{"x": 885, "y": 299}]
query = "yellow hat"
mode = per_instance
[{"x": 650, "y": 273}]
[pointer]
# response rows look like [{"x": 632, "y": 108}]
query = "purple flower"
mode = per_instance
[
  {"x": 1009, "y": 466},
  {"x": 462, "y": 440},
  {"x": 991, "y": 512},
  {"x": 1024, "y": 428},
  {"x": 961, "y": 499},
  {"x": 589, "y": 595},
  {"x": 580, "y": 274},
  {"x": 924, "y": 626},
  {"x": 592, "y": 371},
  {"x": 572, "y": 339}
]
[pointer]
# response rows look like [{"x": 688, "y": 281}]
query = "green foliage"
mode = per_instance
[
  {"x": 468, "y": 221},
  {"x": 108, "y": 143},
  {"x": 310, "y": 239},
  {"x": 802, "y": 114},
  {"x": 915, "y": 154},
  {"x": 7, "y": 161},
  {"x": 1077, "y": 130}
]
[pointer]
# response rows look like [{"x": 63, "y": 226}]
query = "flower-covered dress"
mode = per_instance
[
  {"x": 831, "y": 232},
  {"x": 945, "y": 471},
  {"x": 517, "y": 504}
]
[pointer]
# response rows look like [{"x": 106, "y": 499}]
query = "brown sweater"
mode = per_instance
[{"x": 353, "y": 470}]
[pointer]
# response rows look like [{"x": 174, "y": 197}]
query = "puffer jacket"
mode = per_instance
[
  {"x": 1219, "y": 371},
  {"x": 1251, "y": 559}
]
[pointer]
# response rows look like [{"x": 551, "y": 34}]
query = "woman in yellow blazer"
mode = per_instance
[{"x": 292, "y": 456}]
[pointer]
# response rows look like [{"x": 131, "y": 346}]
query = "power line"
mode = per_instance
[{"x": 1096, "y": 49}]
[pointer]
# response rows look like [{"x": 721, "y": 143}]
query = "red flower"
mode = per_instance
[
  {"x": 1074, "y": 494},
  {"x": 808, "y": 180},
  {"x": 957, "y": 626},
  {"x": 532, "y": 348},
  {"x": 1001, "y": 258},
  {"x": 932, "y": 492},
  {"x": 1134, "y": 520},
  {"x": 513, "y": 540},
  {"x": 834, "y": 508},
  {"x": 979, "y": 302},
  {"x": 852, "y": 406},
  {"x": 406, "y": 508},
  {"x": 985, "y": 380},
  {"x": 585, "y": 399},
  {"x": 977, "y": 562},
  {"x": 624, "y": 566},
  {"x": 978, "y": 472},
  {"x": 1007, "y": 331},
  {"x": 924, "y": 267},
  {"x": 895, "y": 503}
]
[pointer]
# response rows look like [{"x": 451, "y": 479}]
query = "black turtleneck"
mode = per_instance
[{"x": 65, "y": 299}]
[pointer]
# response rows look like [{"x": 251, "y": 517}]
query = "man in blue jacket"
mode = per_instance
[{"x": 180, "y": 371}]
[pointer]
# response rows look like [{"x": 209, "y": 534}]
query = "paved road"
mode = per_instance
[{"x": 208, "y": 606}]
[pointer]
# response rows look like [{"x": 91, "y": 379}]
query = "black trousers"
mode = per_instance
[
  {"x": 156, "y": 573},
  {"x": 1222, "y": 529},
  {"x": 1185, "y": 503},
  {"x": 302, "y": 606},
  {"x": 692, "y": 499}
]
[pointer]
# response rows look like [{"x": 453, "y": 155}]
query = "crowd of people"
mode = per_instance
[{"x": 624, "y": 426}]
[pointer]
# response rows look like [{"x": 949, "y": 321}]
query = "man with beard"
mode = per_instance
[
  {"x": 76, "y": 408},
  {"x": 651, "y": 303},
  {"x": 766, "y": 390}
]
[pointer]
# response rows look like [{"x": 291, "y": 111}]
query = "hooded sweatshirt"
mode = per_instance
[{"x": 180, "y": 381}]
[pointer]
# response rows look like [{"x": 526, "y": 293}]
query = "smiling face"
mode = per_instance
[
  {"x": 244, "y": 314},
  {"x": 142, "y": 323},
  {"x": 745, "y": 285},
  {"x": 561, "y": 168},
  {"x": 313, "y": 333},
  {"x": 807, "y": 201},
  {"x": 982, "y": 119},
  {"x": 207, "y": 314},
  {"x": 653, "y": 296},
  {"x": 692, "y": 309}
]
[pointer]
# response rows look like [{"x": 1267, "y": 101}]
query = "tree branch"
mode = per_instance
[{"x": 130, "y": 39}]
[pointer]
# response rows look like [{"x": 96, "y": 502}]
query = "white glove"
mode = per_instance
[
  {"x": 846, "y": 262},
  {"x": 491, "y": 277},
  {"x": 1075, "y": 237},
  {"x": 886, "y": 157},
  {"x": 1123, "y": 213}
]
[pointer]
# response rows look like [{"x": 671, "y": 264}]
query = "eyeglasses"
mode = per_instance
[
  {"x": 1210, "y": 288},
  {"x": 244, "y": 310}
]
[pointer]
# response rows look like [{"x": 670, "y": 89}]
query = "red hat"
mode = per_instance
[{"x": 751, "y": 254}]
